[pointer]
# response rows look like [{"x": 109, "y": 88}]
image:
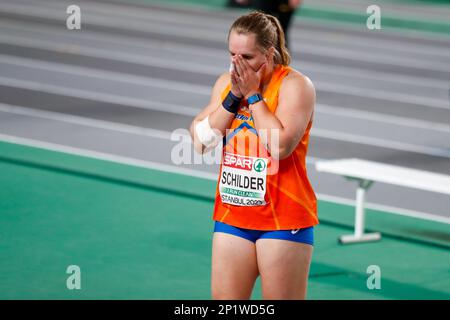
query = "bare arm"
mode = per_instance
[
  {"x": 219, "y": 118},
  {"x": 295, "y": 106}
]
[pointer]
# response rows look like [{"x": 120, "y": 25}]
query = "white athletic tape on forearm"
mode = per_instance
[{"x": 207, "y": 136}]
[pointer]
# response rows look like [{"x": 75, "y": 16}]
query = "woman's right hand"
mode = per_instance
[{"x": 234, "y": 84}]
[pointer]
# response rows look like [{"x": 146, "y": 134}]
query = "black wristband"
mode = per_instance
[
  {"x": 231, "y": 103},
  {"x": 234, "y": 97}
]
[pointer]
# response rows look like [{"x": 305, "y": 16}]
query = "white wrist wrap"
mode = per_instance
[{"x": 207, "y": 136}]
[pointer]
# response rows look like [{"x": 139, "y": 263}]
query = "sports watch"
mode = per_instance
[{"x": 254, "y": 98}]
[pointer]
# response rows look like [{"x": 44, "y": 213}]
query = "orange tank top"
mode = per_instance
[{"x": 255, "y": 191}]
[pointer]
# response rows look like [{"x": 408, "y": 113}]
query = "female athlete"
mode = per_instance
[{"x": 265, "y": 208}]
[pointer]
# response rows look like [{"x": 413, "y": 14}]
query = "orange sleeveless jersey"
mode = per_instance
[{"x": 290, "y": 202}]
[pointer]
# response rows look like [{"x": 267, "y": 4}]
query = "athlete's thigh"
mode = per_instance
[
  {"x": 284, "y": 268},
  {"x": 234, "y": 267}
]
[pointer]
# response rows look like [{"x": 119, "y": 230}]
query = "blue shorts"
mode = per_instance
[{"x": 305, "y": 235}]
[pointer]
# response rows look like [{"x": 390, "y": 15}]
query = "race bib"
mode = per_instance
[{"x": 243, "y": 180}]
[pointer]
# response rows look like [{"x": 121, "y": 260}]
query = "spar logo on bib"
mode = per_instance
[
  {"x": 238, "y": 162},
  {"x": 244, "y": 163}
]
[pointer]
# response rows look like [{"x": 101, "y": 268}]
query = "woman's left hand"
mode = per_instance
[{"x": 248, "y": 80}]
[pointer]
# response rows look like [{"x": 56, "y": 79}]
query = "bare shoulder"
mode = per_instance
[
  {"x": 224, "y": 77},
  {"x": 222, "y": 81},
  {"x": 297, "y": 92},
  {"x": 296, "y": 80}
]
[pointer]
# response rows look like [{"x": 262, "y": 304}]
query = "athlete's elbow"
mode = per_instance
[
  {"x": 281, "y": 153},
  {"x": 203, "y": 136},
  {"x": 192, "y": 129},
  {"x": 199, "y": 148},
  {"x": 197, "y": 145},
  {"x": 285, "y": 153}
]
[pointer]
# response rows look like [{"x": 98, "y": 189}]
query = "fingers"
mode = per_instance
[
  {"x": 262, "y": 70},
  {"x": 233, "y": 77},
  {"x": 235, "y": 84},
  {"x": 245, "y": 64},
  {"x": 237, "y": 80},
  {"x": 245, "y": 77},
  {"x": 239, "y": 66},
  {"x": 244, "y": 67}
]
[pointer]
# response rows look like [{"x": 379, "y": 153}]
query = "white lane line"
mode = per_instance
[
  {"x": 178, "y": 86},
  {"x": 103, "y": 124},
  {"x": 147, "y": 60},
  {"x": 385, "y": 208},
  {"x": 184, "y": 110},
  {"x": 376, "y": 57},
  {"x": 382, "y": 95},
  {"x": 345, "y": 40},
  {"x": 84, "y": 121},
  {"x": 215, "y": 71},
  {"x": 382, "y": 118},
  {"x": 107, "y": 157},
  {"x": 34, "y": 30},
  {"x": 108, "y": 76},
  {"x": 316, "y": 132},
  {"x": 97, "y": 96},
  {"x": 375, "y": 75},
  {"x": 149, "y": 15},
  {"x": 210, "y": 53},
  {"x": 196, "y": 173},
  {"x": 205, "y": 33},
  {"x": 163, "y": 7},
  {"x": 382, "y": 143},
  {"x": 310, "y": 35},
  {"x": 133, "y": 79}
]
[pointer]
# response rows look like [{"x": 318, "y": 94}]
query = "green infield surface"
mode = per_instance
[{"x": 141, "y": 233}]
